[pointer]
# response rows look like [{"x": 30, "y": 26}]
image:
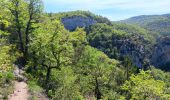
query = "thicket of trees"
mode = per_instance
[
  {"x": 144, "y": 86},
  {"x": 64, "y": 64},
  {"x": 8, "y": 55}
]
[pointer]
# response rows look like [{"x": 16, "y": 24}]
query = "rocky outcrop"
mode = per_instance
[
  {"x": 161, "y": 54},
  {"x": 118, "y": 48},
  {"x": 136, "y": 50},
  {"x": 71, "y": 23},
  {"x": 133, "y": 46}
]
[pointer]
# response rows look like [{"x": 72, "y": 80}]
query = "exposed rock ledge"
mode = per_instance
[
  {"x": 71, "y": 23},
  {"x": 161, "y": 55}
]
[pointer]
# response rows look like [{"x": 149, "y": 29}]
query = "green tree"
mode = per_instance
[
  {"x": 128, "y": 66},
  {"x": 144, "y": 87},
  {"x": 78, "y": 38},
  {"x": 35, "y": 8},
  {"x": 8, "y": 56},
  {"x": 65, "y": 86},
  {"x": 4, "y": 16},
  {"x": 95, "y": 69},
  {"x": 25, "y": 14},
  {"x": 52, "y": 46},
  {"x": 18, "y": 10}
]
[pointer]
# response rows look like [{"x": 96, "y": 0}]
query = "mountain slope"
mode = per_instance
[
  {"x": 156, "y": 23},
  {"x": 119, "y": 40},
  {"x": 114, "y": 39}
]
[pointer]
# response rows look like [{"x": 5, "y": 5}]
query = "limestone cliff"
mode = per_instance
[
  {"x": 161, "y": 54},
  {"x": 71, "y": 23}
]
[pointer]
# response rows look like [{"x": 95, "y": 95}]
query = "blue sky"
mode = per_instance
[{"x": 113, "y": 9}]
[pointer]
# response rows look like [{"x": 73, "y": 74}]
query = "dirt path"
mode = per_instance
[
  {"x": 21, "y": 88},
  {"x": 20, "y": 92}
]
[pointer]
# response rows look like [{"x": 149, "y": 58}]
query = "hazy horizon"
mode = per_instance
[{"x": 112, "y": 9}]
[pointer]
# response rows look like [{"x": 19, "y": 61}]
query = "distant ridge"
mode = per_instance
[{"x": 156, "y": 23}]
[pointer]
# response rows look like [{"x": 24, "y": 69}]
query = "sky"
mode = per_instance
[{"x": 113, "y": 9}]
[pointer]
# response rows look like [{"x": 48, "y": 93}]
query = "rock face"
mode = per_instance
[
  {"x": 71, "y": 23},
  {"x": 161, "y": 54},
  {"x": 133, "y": 46},
  {"x": 135, "y": 51},
  {"x": 124, "y": 47}
]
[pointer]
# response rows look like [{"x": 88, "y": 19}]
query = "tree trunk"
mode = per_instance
[
  {"x": 34, "y": 61},
  {"x": 47, "y": 78},
  {"x": 19, "y": 33},
  {"x": 18, "y": 26},
  {"x": 26, "y": 35},
  {"x": 97, "y": 91},
  {"x": 21, "y": 45},
  {"x": 127, "y": 72}
]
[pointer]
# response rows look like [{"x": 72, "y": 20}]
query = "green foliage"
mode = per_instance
[
  {"x": 23, "y": 15},
  {"x": 128, "y": 64},
  {"x": 163, "y": 76},
  {"x": 62, "y": 64},
  {"x": 94, "y": 70},
  {"x": 6, "y": 75},
  {"x": 53, "y": 49},
  {"x": 159, "y": 26},
  {"x": 6, "y": 65},
  {"x": 144, "y": 86},
  {"x": 35, "y": 90},
  {"x": 155, "y": 23},
  {"x": 73, "y": 66},
  {"x": 134, "y": 30},
  {"x": 51, "y": 42},
  {"x": 68, "y": 68},
  {"x": 86, "y": 14},
  {"x": 112, "y": 38},
  {"x": 101, "y": 35},
  {"x": 7, "y": 58},
  {"x": 34, "y": 87},
  {"x": 66, "y": 86}
]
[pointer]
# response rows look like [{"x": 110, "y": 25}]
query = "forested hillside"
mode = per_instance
[
  {"x": 77, "y": 55},
  {"x": 114, "y": 39},
  {"x": 156, "y": 23},
  {"x": 159, "y": 25}
]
